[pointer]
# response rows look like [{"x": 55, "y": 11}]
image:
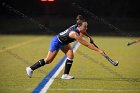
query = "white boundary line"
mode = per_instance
[
  {"x": 48, "y": 80},
  {"x": 119, "y": 90}
]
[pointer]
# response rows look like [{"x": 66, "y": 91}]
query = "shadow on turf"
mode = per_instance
[
  {"x": 22, "y": 60},
  {"x": 122, "y": 77}
]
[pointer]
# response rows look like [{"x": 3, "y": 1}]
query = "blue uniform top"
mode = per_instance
[
  {"x": 64, "y": 36},
  {"x": 62, "y": 39}
]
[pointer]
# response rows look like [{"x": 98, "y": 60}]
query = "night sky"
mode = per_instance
[
  {"x": 25, "y": 16},
  {"x": 105, "y": 8}
]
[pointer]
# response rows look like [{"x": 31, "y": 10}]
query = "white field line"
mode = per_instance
[
  {"x": 46, "y": 87},
  {"x": 119, "y": 90}
]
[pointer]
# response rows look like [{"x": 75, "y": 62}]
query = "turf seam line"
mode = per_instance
[
  {"x": 19, "y": 44},
  {"x": 44, "y": 85}
]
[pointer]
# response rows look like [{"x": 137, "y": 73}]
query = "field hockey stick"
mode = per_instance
[
  {"x": 115, "y": 63},
  {"x": 130, "y": 43},
  {"x": 94, "y": 44}
]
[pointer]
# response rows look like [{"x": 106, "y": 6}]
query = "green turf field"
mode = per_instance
[{"x": 94, "y": 74}]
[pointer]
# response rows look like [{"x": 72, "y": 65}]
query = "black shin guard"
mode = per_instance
[
  {"x": 38, "y": 64},
  {"x": 68, "y": 65}
]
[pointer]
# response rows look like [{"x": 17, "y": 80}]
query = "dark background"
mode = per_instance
[{"x": 36, "y": 17}]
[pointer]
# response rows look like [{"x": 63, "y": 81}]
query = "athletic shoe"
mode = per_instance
[
  {"x": 29, "y": 72},
  {"x": 66, "y": 76}
]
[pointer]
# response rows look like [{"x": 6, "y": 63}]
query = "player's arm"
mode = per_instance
[
  {"x": 83, "y": 42},
  {"x": 137, "y": 40},
  {"x": 90, "y": 38}
]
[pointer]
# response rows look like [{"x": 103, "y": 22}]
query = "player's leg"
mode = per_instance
[
  {"x": 41, "y": 62},
  {"x": 137, "y": 40},
  {"x": 69, "y": 53},
  {"x": 54, "y": 48},
  {"x": 49, "y": 58}
]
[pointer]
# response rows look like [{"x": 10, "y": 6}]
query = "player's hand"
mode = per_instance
[
  {"x": 101, "y": 51},
  {"x": 91, "y": 40}
]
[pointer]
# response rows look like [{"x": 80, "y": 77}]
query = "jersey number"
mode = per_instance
[{"x": 62, "y": 33}]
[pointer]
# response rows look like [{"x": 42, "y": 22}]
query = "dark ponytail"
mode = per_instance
[{"x": 80, "y": 19}]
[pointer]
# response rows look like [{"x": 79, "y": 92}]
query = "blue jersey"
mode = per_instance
[
  {"x": 64, "y": 36},
  {"x": 62, "y": 39}
]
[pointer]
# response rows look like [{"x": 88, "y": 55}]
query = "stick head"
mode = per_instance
[
  {"x": 116, "y": 63},
  {"x": 128, "y": 44}
]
